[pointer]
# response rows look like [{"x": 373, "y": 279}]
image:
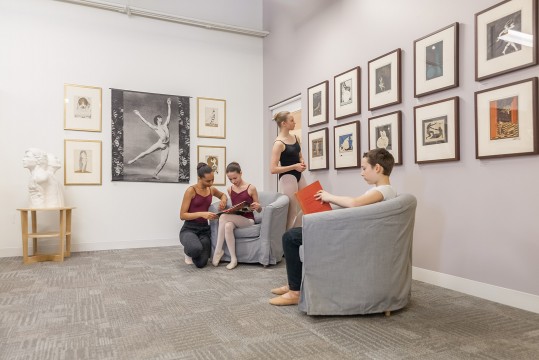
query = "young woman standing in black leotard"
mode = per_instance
[{"x": 287, "y": 161}]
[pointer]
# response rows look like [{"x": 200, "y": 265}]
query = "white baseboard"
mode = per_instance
[
  {"x": 514, "y": 298},
  {"x": 10, "y": 252}
]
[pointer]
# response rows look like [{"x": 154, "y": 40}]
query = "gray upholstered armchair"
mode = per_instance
[
  {"x": 358, "y": 260},
  {"x": 261, "y": 242}
]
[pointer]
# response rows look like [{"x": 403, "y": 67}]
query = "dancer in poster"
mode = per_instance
[{"x": 161, "y": 129}]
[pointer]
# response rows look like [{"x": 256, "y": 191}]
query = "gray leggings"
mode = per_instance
[{"x": 196, "y": 240}]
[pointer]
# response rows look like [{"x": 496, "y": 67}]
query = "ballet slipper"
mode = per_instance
[
  {"x": 188, "y": 260},
  {"x": 232, "y": 265},
  {"x": 217, "y": 257},
  {"x": 285, "y": 300},
  {"x": 280, "y": 290}
]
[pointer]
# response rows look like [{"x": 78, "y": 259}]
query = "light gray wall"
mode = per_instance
[
  {"x": 476, "y": 219},
  {"x": 48, "y": 43}
]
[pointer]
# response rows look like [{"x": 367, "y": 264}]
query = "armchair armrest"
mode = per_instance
[{"x": 273, "y": 226}]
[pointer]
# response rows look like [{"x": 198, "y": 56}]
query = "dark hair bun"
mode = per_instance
[{"x": 201, "y": 164}]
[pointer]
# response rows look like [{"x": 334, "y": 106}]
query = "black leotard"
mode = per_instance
[{"x": 290, "y": 156}]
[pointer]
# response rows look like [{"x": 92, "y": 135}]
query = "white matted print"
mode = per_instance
[
  {"x": 347, "y": 93},
  {"x": 346, "y": 146},
  {"x": 436, "y": 61},
  {"x": 506, "y": 120},
  {"x": 385, "y": 80},
  {"x": 211, "y": 118},
  {"x": 318, "y": 149},
  {"x": 436, "y": 128},
  {"x": 385, "y": 132},
  {"x": 82, "y": 108},
  {"x": 505, "y": 38},
  {"x": 318, "y": 104},
  {"x": 82, "y": 162},
  {"x": 215, "y": 157}
]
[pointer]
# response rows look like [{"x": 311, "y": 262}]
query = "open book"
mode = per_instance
[
  {"x": 307, "y": 201},
  {"x": 241, "y": 208}
]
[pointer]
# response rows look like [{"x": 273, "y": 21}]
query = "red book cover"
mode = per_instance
[{"x": 307, "y": 201}]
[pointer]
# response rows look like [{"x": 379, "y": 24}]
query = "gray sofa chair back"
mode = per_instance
[
  {"x": 261, "y": 242},
  {"x": 358, "y": 260}
]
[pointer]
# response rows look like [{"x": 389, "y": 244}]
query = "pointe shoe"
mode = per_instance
[
  {"x": 284, "y": 301},
  {"x": 232, "y": 265},
  {"x": 280, "y": 290},
  {"x": 217, "y": 257},
  {"x": 188, "y": 260}
]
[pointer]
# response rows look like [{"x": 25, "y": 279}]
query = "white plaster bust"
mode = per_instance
[{"x": 43, "y": 188}]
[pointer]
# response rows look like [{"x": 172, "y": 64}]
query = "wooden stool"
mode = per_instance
[{"x": 64, "y": 234}]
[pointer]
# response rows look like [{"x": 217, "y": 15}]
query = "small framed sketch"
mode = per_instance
[
  {"x": 318, "y": 149},
  {"x": 436, "y": 61},
  {"x": 506, "y": 120},
  {"x": 211, "y": 118},
  {"x": 82, "y": 108},
  {"x": 215, "y": 157},
  {"x": 436, "y": 129},
  {"x": 82, "y": 162},
  {"x": 505, "y": 38},
  {"x": 347, "y": 93},
  {"x": 385, "y": 131},
  {"x": 385, "y": 80},
  {"x": 346, "y": 140},
  {"x": 318, "y": 104}
]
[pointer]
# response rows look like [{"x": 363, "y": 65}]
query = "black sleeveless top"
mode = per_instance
[{"x": 290, "y": 156}]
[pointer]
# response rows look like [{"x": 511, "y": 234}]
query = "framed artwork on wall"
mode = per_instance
[
  {"x": 385, "y": 80},
  {"x": 318, "y": 98},
  {"x": 318, "y": 149},
  {"x": 505, "y": 38},
  {"x": 385, "y": 131},
  {"x": 436, "y": 61},
  {"x": 82, "y": 108},
  {"x": 346, "y": 139},
  {"x": 506, "y": 120},
  {"x": 82, "y": 162},
  {"x": 215, "y": 157},
  {"x": 211, "y": 118},
  {"x": 436, "y": 130},
  {"x": 150, "y": 137},
  {"x": 346, "y": 89}
]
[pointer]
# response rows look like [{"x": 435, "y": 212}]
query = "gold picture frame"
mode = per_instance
[
  {"x": 82, "y": 162},
  {"x": 82, "y": 108},
  {"x": 211, "y": 115},
  {"x": 215, "y": 157}
]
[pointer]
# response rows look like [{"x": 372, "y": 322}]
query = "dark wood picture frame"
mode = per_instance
[
  {"x": 492, "y": 57},
  {"x": 392, "y": 123},
  {"x": 438, "y": 131},
  {"x": 385, "y": 71},
  {"x": 496, "y": 120},
  {"x": 347, "y": 93},
  {"x": 431, "y": 53},
  {"x": 317, "y": 104},
  {"x": 319, "y": 154},
  {"x": 347, "y": 146}
]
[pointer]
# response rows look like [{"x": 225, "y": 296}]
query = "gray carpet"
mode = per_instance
[{"x": 147, "y": 304}]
